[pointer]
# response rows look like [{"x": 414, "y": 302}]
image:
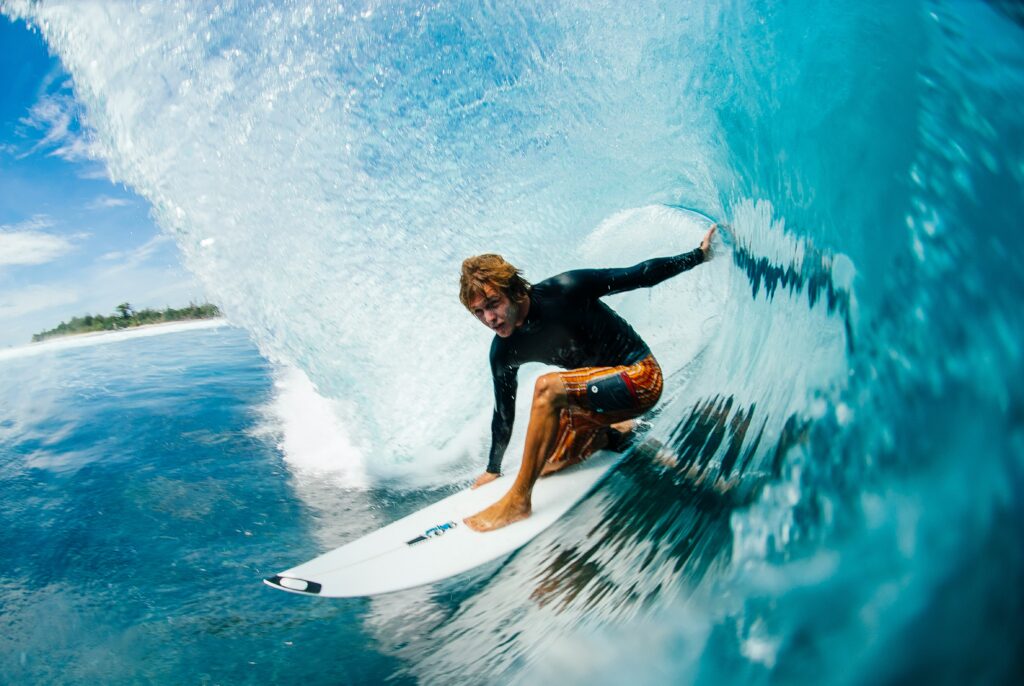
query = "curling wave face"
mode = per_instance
[
  {"x": 837, "y": 375},
  {"x": 326, "y": 167}
]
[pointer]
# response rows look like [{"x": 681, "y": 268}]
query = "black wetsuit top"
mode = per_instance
[{"x": 569, "y": 327}]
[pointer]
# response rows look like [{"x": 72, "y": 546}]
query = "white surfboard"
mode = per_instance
[{"x": 434, "y": 543}]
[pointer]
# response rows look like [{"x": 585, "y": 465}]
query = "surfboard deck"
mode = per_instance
[{"x": 434, "y": 543}]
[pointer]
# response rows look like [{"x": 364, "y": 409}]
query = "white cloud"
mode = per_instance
[
  {"x": 104, "y": 202},
  {"x": 56, "y": 115},
  {"x": 34, "y": 299},
  {"x": 26, "y": 244},
  {"x": 132, "y": 258},
  {"x": 35, "y": 223},
  {"x": 136, "y": 257},
  {"x": 27, "y": 248},
  {"x": 94, "y": 172},
  {"x": 75, "y": 148}
]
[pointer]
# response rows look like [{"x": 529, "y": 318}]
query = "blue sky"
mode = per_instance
[{"x": 71, "y": 242}]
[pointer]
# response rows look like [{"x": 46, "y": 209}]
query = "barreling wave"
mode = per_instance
[{"x": 326, "y": 166}]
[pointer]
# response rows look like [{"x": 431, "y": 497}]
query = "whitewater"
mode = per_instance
[{"x": 839, "y": 497}]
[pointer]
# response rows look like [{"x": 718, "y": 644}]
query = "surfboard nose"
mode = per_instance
[{"x": 293, "y": 584}]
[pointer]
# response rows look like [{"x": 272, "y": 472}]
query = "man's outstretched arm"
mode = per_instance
[{"x": 601, "y": 282}]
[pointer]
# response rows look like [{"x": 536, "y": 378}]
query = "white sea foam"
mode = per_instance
[
  {"x": 310, "y": 430},
  {"x": 324, "y": 438}
]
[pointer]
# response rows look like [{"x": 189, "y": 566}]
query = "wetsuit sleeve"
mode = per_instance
[
  {"x": 597, "y": 283},
  {"x": 505, "y": 385}
]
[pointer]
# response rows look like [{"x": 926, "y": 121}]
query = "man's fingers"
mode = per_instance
[{"x": 710, "y": 235}]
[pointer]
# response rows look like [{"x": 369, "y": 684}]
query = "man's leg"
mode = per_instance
[
  {"x": 578, "y": 438},
  {"x": 549, "y": 399},
  {"x": 604, "y": 403},
  {"x": 580, "y": 443}
]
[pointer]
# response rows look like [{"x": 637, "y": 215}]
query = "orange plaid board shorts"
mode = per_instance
[{"x": 600, "y": 397}]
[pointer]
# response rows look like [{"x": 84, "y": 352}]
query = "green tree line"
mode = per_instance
[{"x": 125, "y": 316}]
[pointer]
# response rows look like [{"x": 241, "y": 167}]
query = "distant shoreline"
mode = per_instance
[
  {"x": 127, "y": 317},
  {"x": 82, "y": 340},
  {"x": 181, "y": 323}
]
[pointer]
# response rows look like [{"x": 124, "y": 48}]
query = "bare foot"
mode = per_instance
[
  {"x": 485, "y": 478},
  {"x": 625, "y": 426},
  {"x": 502, "y": 513}
]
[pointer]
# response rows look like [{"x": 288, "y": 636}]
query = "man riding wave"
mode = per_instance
[{"x": 611, "y": 376}]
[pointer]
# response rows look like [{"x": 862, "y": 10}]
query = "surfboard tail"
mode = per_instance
[{"x": 293, "y": 584}]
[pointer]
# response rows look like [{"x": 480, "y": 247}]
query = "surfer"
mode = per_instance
[{"x": 612, "y": 376}]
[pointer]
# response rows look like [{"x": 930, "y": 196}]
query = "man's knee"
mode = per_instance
[{"x": 549, "y": 391}]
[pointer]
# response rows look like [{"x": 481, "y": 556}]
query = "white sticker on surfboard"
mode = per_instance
[{"x": 434, "y": 543}]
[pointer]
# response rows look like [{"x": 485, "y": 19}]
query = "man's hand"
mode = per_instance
[
  {"x": 485, "y": 478},
  {"x": 705, "y": 245}
]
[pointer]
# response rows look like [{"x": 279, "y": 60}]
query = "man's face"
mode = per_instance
[{"x": 496, "y": 311}]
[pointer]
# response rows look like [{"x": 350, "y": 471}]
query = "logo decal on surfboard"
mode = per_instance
[{"x": 432, "y": 532}]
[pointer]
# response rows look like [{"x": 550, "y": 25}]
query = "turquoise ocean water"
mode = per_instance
[{"x": 843, "y": 413}]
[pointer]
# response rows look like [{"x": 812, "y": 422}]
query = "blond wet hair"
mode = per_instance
[{"x": 492, "y": 270}]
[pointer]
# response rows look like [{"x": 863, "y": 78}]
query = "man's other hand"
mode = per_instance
[
  {"x": 485, "y": 478},
  {"x": 705, "y": 245}
]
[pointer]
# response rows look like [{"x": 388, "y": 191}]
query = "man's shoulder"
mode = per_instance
[{"x": 557, "y": 285}]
